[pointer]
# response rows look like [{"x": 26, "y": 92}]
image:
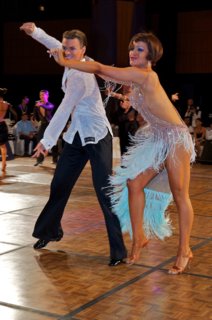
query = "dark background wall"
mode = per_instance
[{"x": 184, "y": 27}]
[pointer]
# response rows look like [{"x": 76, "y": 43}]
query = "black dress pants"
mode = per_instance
[{"x": 70, "y": 165}]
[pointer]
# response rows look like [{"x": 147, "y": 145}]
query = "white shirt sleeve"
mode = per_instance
[
  {"x": 41, "y": 36},
  {"x": 75, "y": 92}
]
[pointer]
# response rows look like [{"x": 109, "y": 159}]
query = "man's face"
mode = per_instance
[
  {"x": 73, "y": 49},
  {"x": 24, "y": 117},
  {"x": 44, "y": 96},
  {"x": 26, "y": 100}
]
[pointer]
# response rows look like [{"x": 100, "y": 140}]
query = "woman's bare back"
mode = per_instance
[{"x": 156, "y": 99}]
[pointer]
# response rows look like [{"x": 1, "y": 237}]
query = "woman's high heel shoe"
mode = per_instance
[
  {"x": 181, "y": 268},
  {"x": 136, "y": 251}
]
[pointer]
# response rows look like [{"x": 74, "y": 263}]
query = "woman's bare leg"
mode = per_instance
[
  {"x": 136, "y": 208},
  {"x": 3, "y": 156},
  {"x": 179, "y": 179}
]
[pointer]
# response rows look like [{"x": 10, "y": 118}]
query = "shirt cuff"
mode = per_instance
[{"x": 47, "y": 145}]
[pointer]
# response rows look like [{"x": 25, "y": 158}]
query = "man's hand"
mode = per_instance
[
  {"x": 39, "y": 149},
  {"x": 28, "y": 27},
  {"x": 38, "y": 103},
  {"x": 125, "y": 105},
  {"x": 175, "y": 97}
]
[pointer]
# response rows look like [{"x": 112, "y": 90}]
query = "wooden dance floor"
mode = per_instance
[{"x": 70, "y": 279}]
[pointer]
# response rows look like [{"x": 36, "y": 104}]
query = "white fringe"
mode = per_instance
[{"x": 149, "y": 150}]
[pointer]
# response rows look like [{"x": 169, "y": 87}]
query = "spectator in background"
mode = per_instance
[
  {"x": 187, "y": 121},
  {"x": 43, "y": 112},
  {"x": 175, "y": 98},
  {"x": 23, "y": 108},
  {"x": 4, "y": 106},
  {"x": 126, "y": 117},
  {"x": 11, "y": 114},
  {"x": 27, "y": 132},
  {"x": 199, "y": 137},
  {"x": 193, "y": 112},
  {"x": 140, "y": 121},
  {"x": 35, "y": 123},
  {"x": 208, "y": 134}
]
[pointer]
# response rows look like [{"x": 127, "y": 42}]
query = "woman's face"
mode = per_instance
[
  {"x": 198, "y": 123},
  {"x": 138, "y": 53}
]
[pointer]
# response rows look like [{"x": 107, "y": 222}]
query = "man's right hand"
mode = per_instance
[{"x": 28, "y": 27}]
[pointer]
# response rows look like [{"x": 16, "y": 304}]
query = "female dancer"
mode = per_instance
[
  {"x": 3, "y": 128},
  {"x": 163, "y": 148}
]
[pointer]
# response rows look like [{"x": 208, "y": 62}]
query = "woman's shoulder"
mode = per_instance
[{"x": 151, "y": 81}]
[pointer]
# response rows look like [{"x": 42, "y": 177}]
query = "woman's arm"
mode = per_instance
[
  {"x": 128, "y": 74},
  {"x": 204, "y": 133}
]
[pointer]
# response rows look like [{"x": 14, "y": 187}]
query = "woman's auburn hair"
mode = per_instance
[{"x": 155, "y": 48}]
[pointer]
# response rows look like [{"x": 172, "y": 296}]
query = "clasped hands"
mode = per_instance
[{"x": 57, "y": 54}]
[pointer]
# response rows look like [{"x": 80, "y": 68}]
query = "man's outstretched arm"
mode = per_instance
[{"x": 40, "y": 35}]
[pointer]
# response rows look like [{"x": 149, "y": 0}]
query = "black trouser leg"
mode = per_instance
[
  {"x": 70, "y": 165},
  {"x": 100, "y": 155},
  {"x": 26, "y": 146},
  {"x": 54, "y": 153}
]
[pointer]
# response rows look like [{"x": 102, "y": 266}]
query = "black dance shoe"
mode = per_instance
[
  {"x": 40, "y": 244},
  {"x": 39, "y": 162},
  {"x": 115, "y": 262}
]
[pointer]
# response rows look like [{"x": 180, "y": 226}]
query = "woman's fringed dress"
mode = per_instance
[{"x": 150, "y": 147}]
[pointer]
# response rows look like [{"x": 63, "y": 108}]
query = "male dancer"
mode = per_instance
[{"x": 89, "y": 137}]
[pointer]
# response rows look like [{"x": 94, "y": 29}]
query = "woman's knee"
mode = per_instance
[
  {"x": 134, "y": 186},
  {"x": 180, "y": 194}
]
